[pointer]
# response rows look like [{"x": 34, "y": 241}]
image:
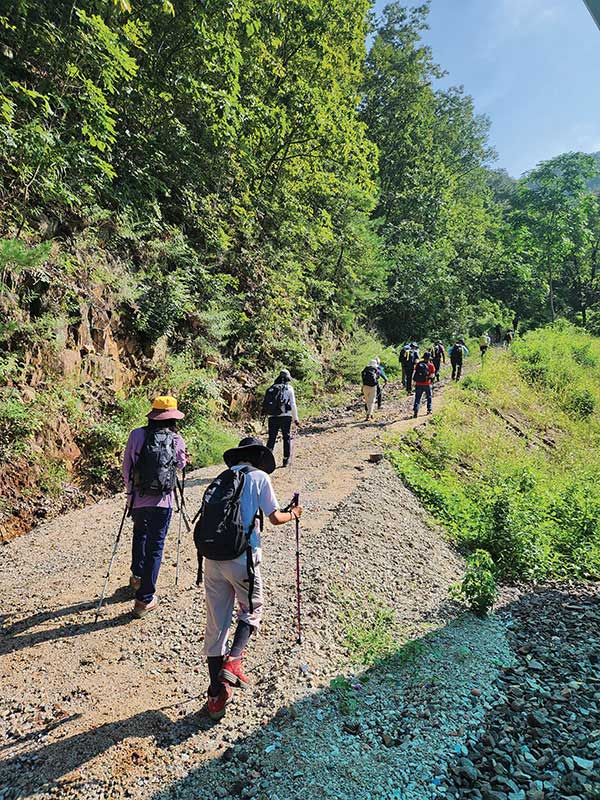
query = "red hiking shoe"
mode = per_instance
[
  {"x": 233, "y": 672},
  {"x": 217, "y": 705}
]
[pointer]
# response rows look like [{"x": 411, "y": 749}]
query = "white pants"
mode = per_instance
[
  {"x": 224, "y": 582},
  {"x": 370, "y": 395}
]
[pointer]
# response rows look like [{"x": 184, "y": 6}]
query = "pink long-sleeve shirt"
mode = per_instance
[{"x": 132, "y": 452}]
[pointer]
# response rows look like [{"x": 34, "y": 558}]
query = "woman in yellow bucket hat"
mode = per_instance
[{"x": 152, "y": 457}]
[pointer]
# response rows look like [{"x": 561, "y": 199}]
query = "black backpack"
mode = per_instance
[
  {"x": 219, "y": 534},
  {"x": 370, "y": 376},
  {"x": 155, "y": 471},
  {"x": 277, "y": 400},
  {"x": 456, "y": 356},
  {"x": 421, "y": 372}
]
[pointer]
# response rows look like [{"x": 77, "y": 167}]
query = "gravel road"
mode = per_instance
[{"x": 116, "y": 709}]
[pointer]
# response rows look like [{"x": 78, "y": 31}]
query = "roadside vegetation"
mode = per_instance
[
  {"x": 195, "y": 194},
  {"x": 510, "y": 465}
]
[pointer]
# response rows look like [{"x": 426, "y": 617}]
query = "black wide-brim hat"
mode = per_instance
[{"x": 252, "y": 450}]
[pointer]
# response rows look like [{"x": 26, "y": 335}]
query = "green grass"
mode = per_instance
[
  {"x": 510, "y": 464},
  {"x": 369, "y": 630}
]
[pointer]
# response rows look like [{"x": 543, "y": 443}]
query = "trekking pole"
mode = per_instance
[
  {"x": 186, "y": 519},
  {"x": 112, "y": 558},
  {"x": 181, "y": 513},
  {"x": 295, "y": 502}
]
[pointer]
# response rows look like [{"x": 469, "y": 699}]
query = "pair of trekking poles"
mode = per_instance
[{"x": 180, "y": 507}]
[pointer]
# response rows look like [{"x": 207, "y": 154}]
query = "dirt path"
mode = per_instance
[{"x": 115, "y": 709}]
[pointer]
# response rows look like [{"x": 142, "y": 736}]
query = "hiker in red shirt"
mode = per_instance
[{"x": 423, "y": 378}]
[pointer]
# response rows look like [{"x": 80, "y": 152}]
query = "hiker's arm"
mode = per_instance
[
  {"x": 180, "y": 452},
  {"x": 294, "y": 408},
  {"x": 269, "y": 505},
  {"x": 128, "y": 462},
  {"x": 281, "y": 517}
]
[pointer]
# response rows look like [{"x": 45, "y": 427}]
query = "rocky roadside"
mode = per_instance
[{"x": 541, "y": 738}]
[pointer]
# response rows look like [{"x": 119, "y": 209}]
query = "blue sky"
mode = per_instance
[{"x": 533, "y": 66}]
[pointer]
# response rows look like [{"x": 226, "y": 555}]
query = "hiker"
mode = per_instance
[
  {"x": 152, "y": 456},
  {"x": 280, "y": 407},
  {"x": 484, "y": 343},
  {"x": 423, "y": 376},
  {"x": 438, "y": 354},
  {"x": 385, "y": 380},
  {"x": 370, "y": 382},
  {"x": 241, "y": 495},
  {"x": 404, "y": 360},
  {"x": 457, "y": 353},
  {"x": 498, "y": 334},
  {"x": 508, "y": 337},
  {"x": 409, "y": 358}
]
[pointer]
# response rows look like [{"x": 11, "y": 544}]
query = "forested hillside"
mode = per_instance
[{"x": 193, "y": 194}]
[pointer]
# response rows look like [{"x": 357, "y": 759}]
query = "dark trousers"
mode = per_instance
[
  {"x": 456, "y": 370},
  {"x": 407, "y": 373},
  {"x": 150, "y": 526},
  {"x": 437, "y": 363},
  {"x": 379, "y": 396},
  {"x": 419, "y": 392},
  {"x": 283, "y": 424}
]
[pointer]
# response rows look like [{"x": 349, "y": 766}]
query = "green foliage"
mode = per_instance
[
  {"x": 18, "y": 424},
  {"x": 478, "y": 587},
  {"x": 368, "y": 632},
  {"x": 507, "y": 466}
]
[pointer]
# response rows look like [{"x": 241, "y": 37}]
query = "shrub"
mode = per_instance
[
  {"x": 18, "y": 423},
  {"x": 478, "y": 587},
  {"x": 579, "y": 402}
]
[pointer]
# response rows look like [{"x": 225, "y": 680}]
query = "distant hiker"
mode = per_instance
[
  {"x": 438, "y": 355},
  {"x": 405, "y": 362},
  {"x": 423, "y": 376},
  {"x": 484, "y": 343},
  {"x": 457, "y": 353},
  {"x": 410, "y": 357},
  {"x": 227, "y": 538},
  {"x": 370, "y": 382},
  {"x": 152, "y": 457},
  {"x": 508, "y": 337},
  {"x": 385, "y": 380},
  {"x": 280, "y": 407},
  {"x": 498, "y": 334}
]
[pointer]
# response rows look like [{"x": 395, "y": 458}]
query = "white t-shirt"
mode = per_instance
[{"x": 257, "y": 494}]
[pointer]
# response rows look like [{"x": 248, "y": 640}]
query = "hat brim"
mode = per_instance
[
  {"x": 160, "y": 415},
  {"x": 259, "y": 455}
]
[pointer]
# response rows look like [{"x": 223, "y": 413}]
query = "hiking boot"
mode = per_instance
[
  {"x": 415, "y": 414},
  {"x": 286, "y": 461},
  {"x": 216, "y": 705},
  {"x": 135, "y": 583},
  {"x": 233, "y": 673},
  {"x": 140, "y": 610}
]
